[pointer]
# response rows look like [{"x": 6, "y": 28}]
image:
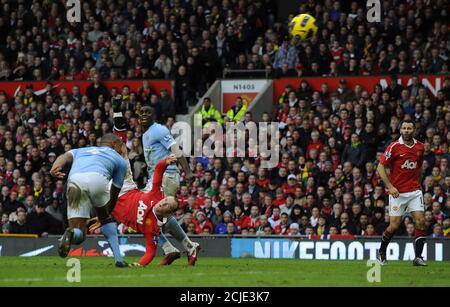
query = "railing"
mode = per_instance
[{"x": 246, "y": 73}]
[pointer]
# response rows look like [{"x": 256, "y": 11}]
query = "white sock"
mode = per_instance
[
  {"x": 188, "y": 244},
  {"x": 169, "y": 248}
]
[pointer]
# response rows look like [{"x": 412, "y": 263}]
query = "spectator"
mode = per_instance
[
  {"x": 437, "y": 231},
  {"x": 20, "y": 226},
  {"x": 208, "y": 114},
  {"x": 275, "y": 219},
  {"x": 200, "y": 222},
  {"x": 283, "y": 227},
  {"x": 222, "y": 227},
  {"x": 167, "y": 105},
  {"x": 42, "y": 223},
  {"x": 236, "y": 112},
  {"x": 410, "y": 230},
  {"x": 354, "y": 152}
]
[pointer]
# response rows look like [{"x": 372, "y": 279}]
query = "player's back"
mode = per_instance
[
  {"x": 133, "y": 208},
  {"x": 157, "y": 141},
  {"x": 101, "y": 160}
]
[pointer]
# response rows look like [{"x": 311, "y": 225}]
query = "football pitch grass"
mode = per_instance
[{"x": 214, "y": 272}]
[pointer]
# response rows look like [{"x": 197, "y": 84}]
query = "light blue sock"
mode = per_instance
[
  {"x": 175, "y": 229},
  {"x": 110, "y": 232},
  {"x": 78, "y": 236}
]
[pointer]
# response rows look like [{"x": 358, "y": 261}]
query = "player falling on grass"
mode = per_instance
[
  {"x": 88, "y": 186},
  {"x": 158, "y": 143},
  {"x": 145, "y": 212},
  {"x": 404, "y": 159}
]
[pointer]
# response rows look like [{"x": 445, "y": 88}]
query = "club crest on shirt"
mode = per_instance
[{"x": 387, "y": 154}]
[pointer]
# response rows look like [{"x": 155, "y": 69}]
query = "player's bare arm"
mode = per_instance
[
  {"x": 114, "y": 195},
  {"x": 175, "y": 149},
  {"x": 383, "y": 175},
  {"x": 58, "y": 165}
]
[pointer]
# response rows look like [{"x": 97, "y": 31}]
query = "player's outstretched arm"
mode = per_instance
[
  {"x": 383, "y": 175},
  {"x": 150, "y": 250},
  {"x": 159, "y": 171},
  {"x": 58, "y": 165},
  {"x": 175, "y": 149},
  {"x": 114, "y": 195}
]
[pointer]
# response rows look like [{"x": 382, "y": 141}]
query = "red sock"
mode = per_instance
[
  {"x": 419, "y": 233},
  {"x": 387, "y": 234}
]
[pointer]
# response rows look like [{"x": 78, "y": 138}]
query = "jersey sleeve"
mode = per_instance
[
  {"x": 150, "y": 249},
  {"x": 119, "y": 172},
  {"x": 388, "y": 155},
  {"x": 73, "y": 152},
  {"x": 158, "y": 175},
  {"x": 165, "y": 138}
]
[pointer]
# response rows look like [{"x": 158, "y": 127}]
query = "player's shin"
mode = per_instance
[
  {"x": 175, "y": 230},
  {"x": 166, "y": 246},
  {"x": 385, "y": 240},
  {"x": 109, "y": 230},
  {"x": 419, "y": 242}
]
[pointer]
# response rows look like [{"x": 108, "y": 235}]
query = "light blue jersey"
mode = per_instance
[
  {"x": 102, "y": 160},
  {"x": 156, "y": 142}
]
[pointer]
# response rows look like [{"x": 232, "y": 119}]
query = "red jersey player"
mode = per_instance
[
  {"x": 404, "y": 159},
  {"x": 146, "y": 212}
]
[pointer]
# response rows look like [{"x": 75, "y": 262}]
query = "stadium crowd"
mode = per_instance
[{"x": 325, "y": 182}]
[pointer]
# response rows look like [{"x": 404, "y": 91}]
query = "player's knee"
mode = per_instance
[{"x": 420, "y": 223}]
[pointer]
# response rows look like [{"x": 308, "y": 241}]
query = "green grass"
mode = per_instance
[{"x": 99, "y": 271}]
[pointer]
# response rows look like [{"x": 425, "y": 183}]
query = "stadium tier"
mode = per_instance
[{"x": 338, "y": 101}]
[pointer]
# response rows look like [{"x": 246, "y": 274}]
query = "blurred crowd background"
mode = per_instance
[{"x": 325, "y": 182}]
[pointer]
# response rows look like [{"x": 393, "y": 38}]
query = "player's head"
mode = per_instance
[
  {"x": 166, "y": 206},
  {"x": 147, "y": 116},
  {"x": 407, "y": 129},
  {"x": 113, "y": 141}
]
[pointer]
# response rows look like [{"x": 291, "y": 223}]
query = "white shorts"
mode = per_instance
[
  {"x": 170, "y": 184},
  {"x": 85, "y": 191},
  {"x": 406, "y": 202}
]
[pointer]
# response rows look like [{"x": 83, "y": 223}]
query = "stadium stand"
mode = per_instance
[{"x": 325, "y": 182}]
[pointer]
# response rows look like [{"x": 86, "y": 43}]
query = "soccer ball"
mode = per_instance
[{"x": 303, "y": 26}]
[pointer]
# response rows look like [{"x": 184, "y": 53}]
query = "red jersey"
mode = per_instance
[
  {"x": 135, "y": 209},
  {"x": 404, "y": 163}
]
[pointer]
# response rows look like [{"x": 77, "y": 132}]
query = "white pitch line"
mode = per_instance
[{"x": 11, "y": 280}]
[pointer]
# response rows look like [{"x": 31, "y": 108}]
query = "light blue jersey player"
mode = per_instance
[
  {"x": 158, "y": 143},
  {"x": 88, "y": 186}
]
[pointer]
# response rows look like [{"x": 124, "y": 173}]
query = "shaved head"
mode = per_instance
[{"x": 108, "y": 139}]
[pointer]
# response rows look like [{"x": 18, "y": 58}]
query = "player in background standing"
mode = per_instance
[
  {"x": 88, "y": 185},
  {"x": 158, "y": 143},
  {"x": 404, "y": 159}
]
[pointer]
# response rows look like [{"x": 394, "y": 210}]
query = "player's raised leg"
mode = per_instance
[{"x": 192, "y": 248}]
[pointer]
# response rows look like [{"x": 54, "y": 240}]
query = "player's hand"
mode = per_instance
[
  {"x": 57, "y": 172},
  {"x": 95, "y": 224},
  {"x": 394, "y": 192},
  {"x": 171, "y": 159},
  {"x": 135, "y": 265}
]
